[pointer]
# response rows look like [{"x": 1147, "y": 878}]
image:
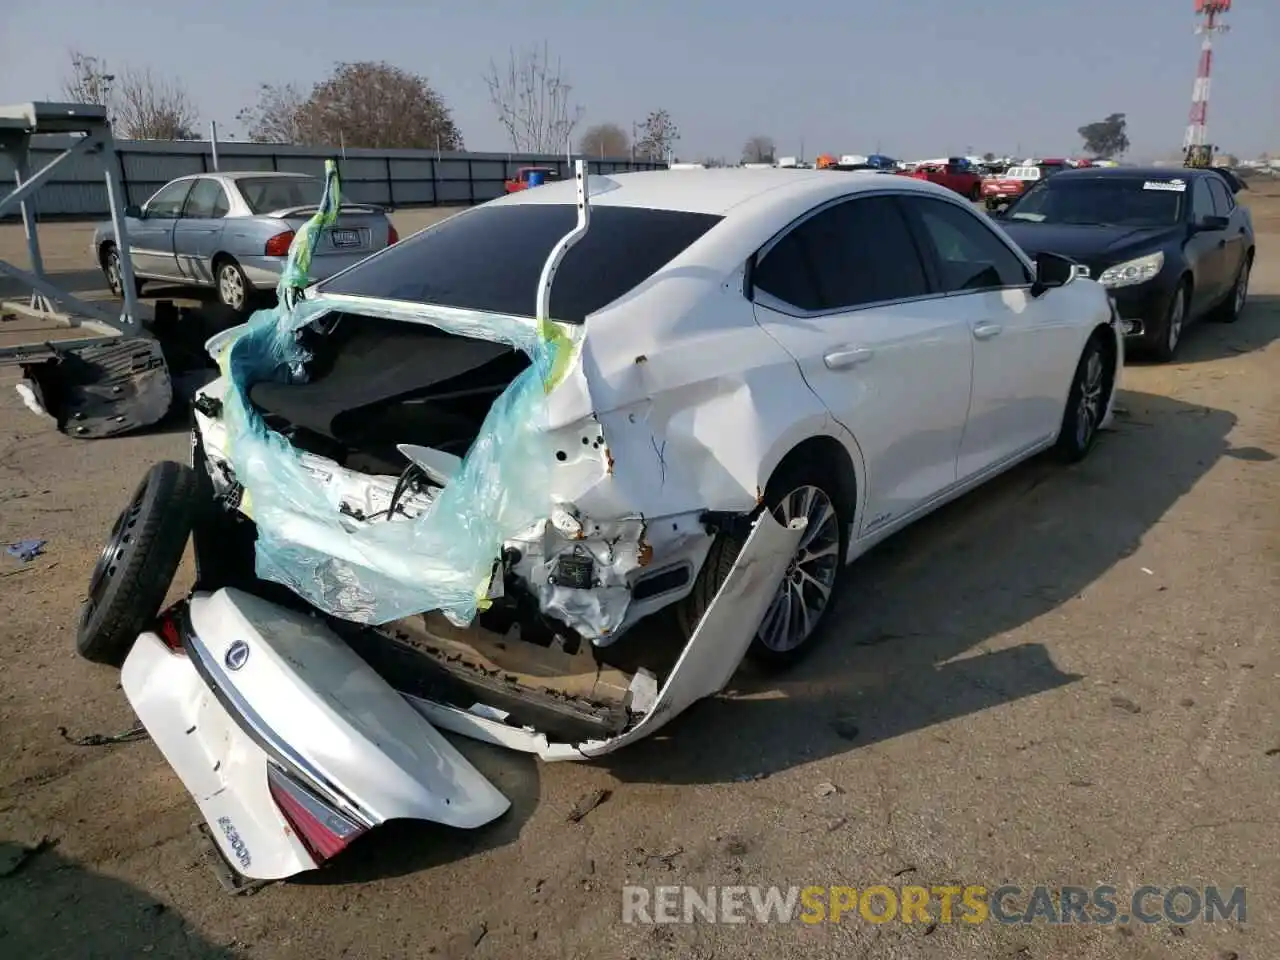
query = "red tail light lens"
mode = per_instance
[
  {"x": 322, "y": 830},
  {"x": 392, "y": 235},
  {"x": 168, "y": 627},
  {"x": 278, "y": 246}
]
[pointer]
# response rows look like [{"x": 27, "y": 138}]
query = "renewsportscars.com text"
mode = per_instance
[{"x": 971, "y": 904}]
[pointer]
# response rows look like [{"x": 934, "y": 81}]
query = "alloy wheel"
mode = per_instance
[
  {"x": 806, "y": 587},
  {"x": 231, "y": 286},
  {"x": 1177, "y": 312},
  {"x": 113, "y": 272},
  {"x": 1242, "y": 287},
  {"x": 1089, "y": 410}
]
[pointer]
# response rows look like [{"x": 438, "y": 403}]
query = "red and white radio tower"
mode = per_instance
[{"x": 1197, "y": 139}]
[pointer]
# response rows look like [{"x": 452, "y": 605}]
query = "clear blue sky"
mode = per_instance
[{"x": 914, "y": 77}]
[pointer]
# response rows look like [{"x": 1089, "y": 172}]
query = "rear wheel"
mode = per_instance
[
  {"x": 794, "y": 620},
  {"x": 233, "y": 285},
  {"x": 137, "y": 564},
  {"x": 975, "y": 193}
]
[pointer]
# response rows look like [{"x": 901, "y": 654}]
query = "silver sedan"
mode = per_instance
[{"x": 231, "y": 232}]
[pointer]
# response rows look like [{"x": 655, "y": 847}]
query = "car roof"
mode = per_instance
[
  {"x": 243, "y": 175},
  {"x": 719, "y": 191},
  {"x": 1132, "y": 173}
]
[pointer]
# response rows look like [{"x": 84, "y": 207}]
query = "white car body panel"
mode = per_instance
[{"x": 222, "y": 768}]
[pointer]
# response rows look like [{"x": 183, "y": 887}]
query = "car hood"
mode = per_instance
[{"x": 1086, "y": 244}]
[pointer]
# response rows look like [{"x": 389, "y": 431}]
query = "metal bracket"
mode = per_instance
[
  {"x": 18, "y": 124},
  {"x": 543, "y": 310}
]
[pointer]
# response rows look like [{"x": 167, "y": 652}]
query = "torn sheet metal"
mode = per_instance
[
  {"x": 374, "y": 572},
  {"x": 706, "y": 664}
]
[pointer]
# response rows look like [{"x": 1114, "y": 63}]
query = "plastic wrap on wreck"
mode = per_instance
[
  {"x": 380, "y": 570},
  {"x": 297, "y": 268}
]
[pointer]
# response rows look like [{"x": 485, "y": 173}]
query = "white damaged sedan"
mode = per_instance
[{"x": 770, "y": 372}]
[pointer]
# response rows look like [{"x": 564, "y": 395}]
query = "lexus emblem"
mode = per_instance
[{"x": 237, "y": 655}]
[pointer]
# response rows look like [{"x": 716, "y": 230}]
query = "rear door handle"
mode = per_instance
[
  {"x": 846, "y": 357},
  {"x": 985, "y": 331},
  {"x": 1221, "y": 244}
]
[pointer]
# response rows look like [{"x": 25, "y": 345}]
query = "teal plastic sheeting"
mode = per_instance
[{"x": 381, "y": 570}]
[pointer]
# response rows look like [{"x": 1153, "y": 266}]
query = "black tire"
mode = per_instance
[
  {"x": 975, "y": 193},
  {"x": 110, "y": 261},
  {"x": 793, "y": 476},
  {"x": 137, "y": 565},
  {"x": 1229, "y": 310},
  {"x": 234, "y": 289},
  {"x": 1093, "y": 382},
  {"x": 1173, "y": 324}
]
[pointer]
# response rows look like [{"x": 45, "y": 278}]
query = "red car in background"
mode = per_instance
[
  {"x": 955, "y": 174},
  {"x": 521, "y": 180},
  {"x": 1006, "y": 187}
]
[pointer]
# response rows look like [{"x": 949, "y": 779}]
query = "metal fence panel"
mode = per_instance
[{"x": 395, "y": 178}]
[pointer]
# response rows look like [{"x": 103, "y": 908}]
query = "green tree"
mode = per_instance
[{"x": 1105, "y": 138}]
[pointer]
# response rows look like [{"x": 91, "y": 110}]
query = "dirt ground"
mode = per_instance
[{"x": 1066, "y": 678}]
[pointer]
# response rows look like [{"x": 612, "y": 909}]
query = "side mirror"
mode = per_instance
[
  {"x": 1212, "y": 223},
  {"x": 134, "y": 211},
  {"x": 1052, "y": 271}
]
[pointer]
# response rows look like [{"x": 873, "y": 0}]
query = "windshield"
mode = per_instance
[
  {"x": 265, "y": 194},
  {"x": 490, "y": 258},
  {"x": 1110, "y": 201}
]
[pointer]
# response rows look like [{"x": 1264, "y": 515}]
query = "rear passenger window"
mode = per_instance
[
  {"x": 849, "y": 255},
  {"x": 1222, "y": 202},
  {"x": 970, "y": 256}
]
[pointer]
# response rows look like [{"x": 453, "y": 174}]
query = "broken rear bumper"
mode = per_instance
[{"x": 261, "y": 696}]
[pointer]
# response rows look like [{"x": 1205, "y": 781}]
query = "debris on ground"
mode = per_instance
[
  {"x": 587, "y": 803},
  {"x": 749, "y": 777},
  {"x": 13, "y": 857},
  {"x": 845, "y": 728},
  {"x": 666, "y": 859},
  {"x": 102, "y": 739},
  {"x": 25, "y": 550},
  {"x": 826, "y": 790},
  {"x": 1124, "y": 703}
]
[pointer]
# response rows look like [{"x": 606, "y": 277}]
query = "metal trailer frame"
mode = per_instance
[{"x": 18, "y": 124}]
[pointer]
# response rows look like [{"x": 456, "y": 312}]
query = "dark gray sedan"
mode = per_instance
[{"x": 231, "y": 232}]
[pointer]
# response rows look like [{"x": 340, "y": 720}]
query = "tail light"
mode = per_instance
[
  {"x": 169, "y": 626},
  {"x": 321, "y": 829},
  {"x": 392, "y": 236},
  {"x": 278, "y": 246}
]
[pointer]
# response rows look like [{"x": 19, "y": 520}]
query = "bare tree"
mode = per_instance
[
  {"x": 759, "y": 149},
  {"x": 140, "y": 104},
  {"x": 658, "y": 136},
  {"x": 532, "y": 97},
  {"x": 277, "y": 116},
  {"x": 604, "y": 140},
  {"x": 150, "y": 107},
  {"x": 89, "y": 81},
  {"x": 361, "y": 104}
]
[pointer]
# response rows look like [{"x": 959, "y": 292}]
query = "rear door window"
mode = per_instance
[
  {"x": 849, "y": 255},
  {"x": 489, "y": 258}
]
